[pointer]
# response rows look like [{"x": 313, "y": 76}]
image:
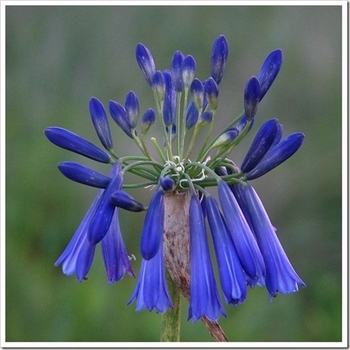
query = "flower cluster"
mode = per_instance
[{"x": 247, "y": 249}]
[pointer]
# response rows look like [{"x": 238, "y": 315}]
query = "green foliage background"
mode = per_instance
[{"x": 57, "y": 57}]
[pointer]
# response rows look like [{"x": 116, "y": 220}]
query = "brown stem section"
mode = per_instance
[
  {"x": 177, "y": 250},
  {"x": 215, "y": 330}
]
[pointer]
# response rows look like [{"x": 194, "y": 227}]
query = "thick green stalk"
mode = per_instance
[{"x": 170, "y": 331}]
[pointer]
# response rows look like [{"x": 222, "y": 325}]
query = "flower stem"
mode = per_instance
[{"x": 170, "y": 331}]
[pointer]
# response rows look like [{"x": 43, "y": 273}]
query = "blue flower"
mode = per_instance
[
  {"x": 204, "y": 300},
  {"x": 78, "y": 256},
  {"x": 280, "y": 275},
  {"x": 231, "y": 274},
  {"x": 151, "y": 290},
  {"x": 243, "y": 238},
  {"x": 152, "y": 232},
  {"x": 145, "y": 60},
  {"x": 277, "y": 155},
  {"x": 72, "y": 142},
  {"x": 100, "y": 121},
  {"x": 269, "y": 70},
  {"x": 219, "y": 57}
]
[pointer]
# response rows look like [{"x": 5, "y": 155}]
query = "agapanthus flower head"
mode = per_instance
[{"x": 245, "y": 244}]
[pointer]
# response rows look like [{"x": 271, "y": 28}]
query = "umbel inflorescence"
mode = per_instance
[{"x": 247, "y": 249}]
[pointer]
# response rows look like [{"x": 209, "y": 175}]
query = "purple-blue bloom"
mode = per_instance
[
  {"x": 251, "y": 97},
  {"x": 151, "y": 291},
  {"x": 148, "y": 119},
  {"x": 114, "y": 253},
  {"x": 100, "y": 121},
  {"x": 176, "y": 71},
  {"x": 219, "y": 55},
  {"x": 211, "y": 91},
  {"x": 277, "y": 155},
  {"x": 102, "y": 217},
  {"x": 243, "y": 238},
  {"x": 72, "y": 142},
  {"x": 132, "y": 108},
  {"x": 280, "y": 275},
  {"x": 204, "y": 294},
  {"x": 188, "y": 70},
  {"x": 269, "y": 71},
  {"x": 83, "y": 174},
  {"x": 124, "y": 200},
  {"x": 145, "y": 60},
  {"x": 119, "y": 115},
  {"x": 231, "y": 274},
  {"x": 197, "y": 92},
  {"x": 260, "y": 145},
  {"x": 152, "y": 232},
  {"x": 169, "y": 100}
]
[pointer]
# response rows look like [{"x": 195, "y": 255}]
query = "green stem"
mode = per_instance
[{"x": 170, "y": 331}]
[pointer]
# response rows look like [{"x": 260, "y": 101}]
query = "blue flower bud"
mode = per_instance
[
  {"x": 280, "y": 152},
  {"x": 102, "y": 217},
  {"x": 119, "y": 115},
  {"x": 152, "y": 232},
  {"x": 148, "y": 119},
  {"x": 169, "y": 106},
  {"x": 188, "y": 70},
  {"x": 124, "y": 200},
  {"x": 100, "y": 121},
  {"x": 191, "y": 115},
  {"x": 176, "y": 71},
  {"x": 211, "y": 90},
  {"x": 226, "y": 138},
  {"x": 269, "y": 71},
  {"x": 205, "y": 118},
  {"x": 158, "y": 84},
  {"x": 260, "y": 145},
  {"x": 83, "y": 174},
  {"x": 167, "y": 183},
  {"x": 251, "y": 97},
  {"x": 72, "y": 142},
  {"x": 145, "y": 60},
  {"x": 219, "y": 55},
  {"x": 197, "y": 92},
  {"x": 132, "y": 108}
]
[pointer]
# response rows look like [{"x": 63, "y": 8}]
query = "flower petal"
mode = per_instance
[
  {"x": 152, "y": 232},
  {"x": 243, "y": 238},
  {"x": 231, "y": 274},
  {"x": 204, "y": 300},
  {"x": 151, "y": 291},
  {"x": 280, "y": 275},
  {"x": 114, "y": 253}
]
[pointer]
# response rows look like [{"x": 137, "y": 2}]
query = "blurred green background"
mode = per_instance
[{"x": 58, "y": 57}]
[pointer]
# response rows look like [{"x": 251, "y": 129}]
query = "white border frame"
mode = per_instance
[{"x": 345, "y": 199}]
